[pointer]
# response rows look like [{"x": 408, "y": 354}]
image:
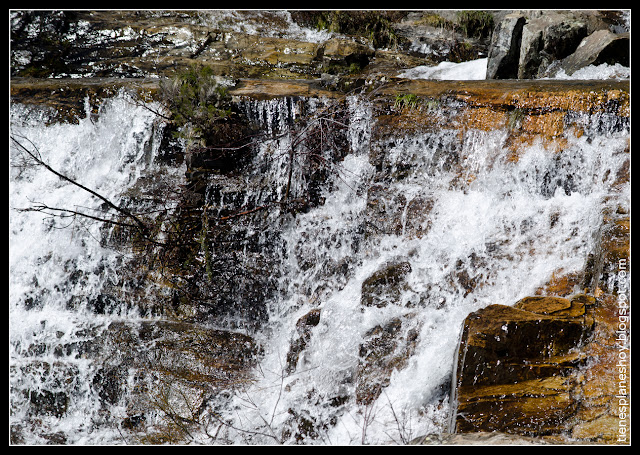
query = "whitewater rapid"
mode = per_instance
[
  {"x": 511, "y": 224},
  {"x": 58, "y": 267}
]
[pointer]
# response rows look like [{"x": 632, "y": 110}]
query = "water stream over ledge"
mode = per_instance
[{"x": 422, "y": 219}]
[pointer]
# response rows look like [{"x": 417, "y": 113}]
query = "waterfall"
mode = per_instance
[
  {"x": 445, "y": 216},
  {"x": 474, "y": 227},
  {"x": 59, "y": 267}
]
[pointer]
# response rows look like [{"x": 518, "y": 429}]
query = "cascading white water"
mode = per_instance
[
  {"x": 508, "y": 225},
  {"x": 58, "y": 268}
]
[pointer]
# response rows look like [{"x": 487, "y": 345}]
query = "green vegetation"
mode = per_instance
[
  {"x": 462, "y": 51},
  {"x": 475, "y": 23},
  {"x": 514, "y": 118},
  {"x": 198, "y": 104},
  {"x": 436, "y": 20},
  {"x": 376, "y": 26},
  {"x": 409, "y": 101},
  {"x": 471, "y": 23}
]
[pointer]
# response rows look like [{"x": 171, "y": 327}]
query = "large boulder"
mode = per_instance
[
  {"x": 504, "y": 52},
  {"x": 516, "y": 366},
  {"x": 547, "y": 39},
  {"x": 602, "y": 46}
]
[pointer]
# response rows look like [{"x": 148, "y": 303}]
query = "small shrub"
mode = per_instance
[
  {"x": 515, "y": 118},
  {"x": 409, "y": 101},
  {"x": 475, "y": 24},
  {"x": 436, "y": 20},
  {"x": 197, "y": 102}
]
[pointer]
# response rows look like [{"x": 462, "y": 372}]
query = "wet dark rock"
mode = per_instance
[
  {"x": 385, "y": 286},
  {"x": 174, "y": 368},
  {"x": 45, "y": 402},
  {"x": 391, "y": 213},
  {"x": 385, "y": 348},
  {"x": 133, "y": 422},
  {"x": 516, "y": 366},
  {"x": 303, "y": 328},
  {"x": 102, "y": 304},
  {"x": 110, "y": 383}
]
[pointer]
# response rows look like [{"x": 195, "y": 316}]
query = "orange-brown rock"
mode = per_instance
[
  {"x": 515, "y": 366},
  {"x": 548, "y": 366}
]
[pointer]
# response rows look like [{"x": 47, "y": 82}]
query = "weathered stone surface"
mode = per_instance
[
  {"x": 575, "y": 95},
  {"x": 548, "y": 38},
  {"x": 531, "y": 110},
  {"x": 478, "y": 438},
  {"x": 303, "y": 328},
  {"x": 501, "y": 344},
  {"x": 385, "y": 348},
  {"x": 504, "y": 52},
  {"x": 175, "y": 367},
  {"x": 572, "y": 395},
  {"x": 535, "y": 407},
  {"x": 385, "y": 285},
  {"x": 534, "y": 44},
  {"x": 515, "y": 364},
  {"x": 556, "y": 306},
  {"x": 347, "y": 51},
  {"x": 602, "y": 46}
]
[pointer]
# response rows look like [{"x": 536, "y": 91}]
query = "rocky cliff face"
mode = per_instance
[{"x": 542, "y": 366}]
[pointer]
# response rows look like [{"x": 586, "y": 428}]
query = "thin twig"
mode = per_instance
[{"x": 37, "y": 157}]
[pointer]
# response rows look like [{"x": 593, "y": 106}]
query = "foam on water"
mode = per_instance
[
  {"x": 57, "y": 266},
  {"x": 471, "y": 70},
  {"x": 510, "y": 228},
  {"x": 477, "y": 70}
]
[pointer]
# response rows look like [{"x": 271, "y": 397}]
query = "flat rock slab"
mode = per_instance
[
  {"x": 475, "y": 439},
  {"x": 515, "y": 366}
]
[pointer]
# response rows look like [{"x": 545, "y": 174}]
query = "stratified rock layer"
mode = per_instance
[
  {"x": 513, "y": 364},
  {"x": 538, "y": 369}
]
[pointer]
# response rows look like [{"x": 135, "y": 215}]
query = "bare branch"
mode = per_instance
[
  {"x": 35, "y": 155},
  {"x": 43, "y": 208}
]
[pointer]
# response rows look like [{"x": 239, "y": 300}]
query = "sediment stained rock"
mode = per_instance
[{"x": 538, "y": 368}]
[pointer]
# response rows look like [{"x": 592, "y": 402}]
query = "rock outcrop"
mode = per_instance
[
  {"x": 165, "y": 371},
  {"x": 602, "y": 46},
  {"x": 552, "y": 366},
  {"x": 516, "y": 366},
  {"x": 504, "y": 53},
  {"x": 535, "y": 44}
]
